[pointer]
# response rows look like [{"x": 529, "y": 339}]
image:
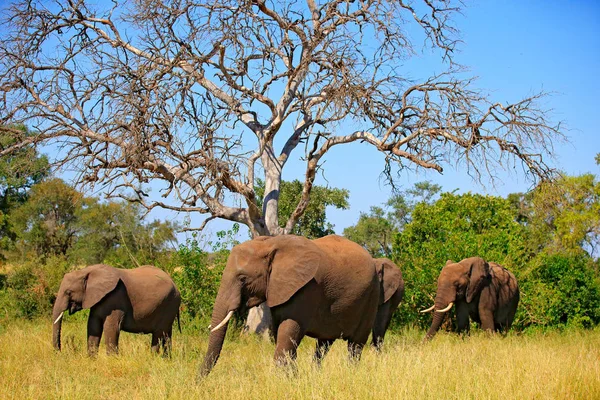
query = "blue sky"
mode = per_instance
[{"x": 516, "y": 48}]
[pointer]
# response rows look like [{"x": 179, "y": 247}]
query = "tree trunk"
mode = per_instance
[{"x": 259, "y": 321}]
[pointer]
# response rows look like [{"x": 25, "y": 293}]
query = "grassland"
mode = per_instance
[{"x": 537, "y": 366}]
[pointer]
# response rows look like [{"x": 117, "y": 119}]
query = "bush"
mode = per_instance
[
  {"x": 198, "y": 276},
  {"x": 560, "y": 290},
  {"x": 31, "y": 287}
]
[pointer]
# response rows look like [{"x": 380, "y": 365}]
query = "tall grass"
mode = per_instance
[{"x": 538, "y": 366}]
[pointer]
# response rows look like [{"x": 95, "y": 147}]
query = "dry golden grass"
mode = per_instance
[{"x": 541, "y": 366}]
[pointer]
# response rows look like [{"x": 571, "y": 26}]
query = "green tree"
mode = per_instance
[
  {"x": 563, "y": 216},
  {"x": 313, "y": 223},
  {"x": 560, "y": 290},
  {"x": 375, "y": 230},
  {"x": 46, "y": 222},
  {"x": 18, "y": 172},
  {"x": 116, "y": 233}
]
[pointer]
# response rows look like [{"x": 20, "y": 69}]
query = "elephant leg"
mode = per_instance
[
  {"x": 112, "y": 331},
  {"x": 289, "y": 335},
  {"x": 462, "y": 318},
  {"x": 165, "y": 341},
  {"x": 382, "y": 321},
  {"x": 322, "y": 348},
  {"x": 94, "y": 334},
  {"x": 155, "y": 346},
  {"x": 487, "y": 320},
  {"x": 355, "y": 350}
]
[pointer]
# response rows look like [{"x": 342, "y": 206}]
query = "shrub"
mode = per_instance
[
  {"x": 31, "y": 287},
  {"x": 198, "y": 276},
  {"x": 560, "y": 290}
]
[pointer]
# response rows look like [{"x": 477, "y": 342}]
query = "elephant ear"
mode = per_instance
[
  {"x": 100, "y": 280},
  {"x": 294, "y": 262},
  {"x": 392, "y": 277},
  {"x": 479, "y": 273}
]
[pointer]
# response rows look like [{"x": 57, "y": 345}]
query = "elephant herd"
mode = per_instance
[{"x": 328, "y": 288}]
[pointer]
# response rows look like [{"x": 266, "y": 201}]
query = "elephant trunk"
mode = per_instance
[
  {"x": 438, "y": 318},
  {"x": 224, "y": 305},
  {"x": 443, "y": 301},
  {"x": 60, "y": 305}
]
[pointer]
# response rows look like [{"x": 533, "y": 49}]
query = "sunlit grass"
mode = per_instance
[{"x": 541, "y": 366}]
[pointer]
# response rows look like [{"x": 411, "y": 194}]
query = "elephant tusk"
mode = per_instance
[
  {"x": 59, "y": 317},
  {"x": 447, "y": 308},
  {"x": 225, "y": 320},
  {"x": 427, "y": 310},
  {"x": 209, "y": 327}
]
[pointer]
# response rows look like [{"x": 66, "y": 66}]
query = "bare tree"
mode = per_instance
[{"x": 205, "y": 95}]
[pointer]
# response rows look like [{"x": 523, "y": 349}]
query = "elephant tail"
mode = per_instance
[{"x": 178, "y": 321}]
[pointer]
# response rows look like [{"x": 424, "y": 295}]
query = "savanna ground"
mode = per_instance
[{"x": 560, "y": 365}]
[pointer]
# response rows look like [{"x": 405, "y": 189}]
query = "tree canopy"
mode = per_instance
[
  {"x": 202, "y": 97},
  {"x": 313, "y": 222}
]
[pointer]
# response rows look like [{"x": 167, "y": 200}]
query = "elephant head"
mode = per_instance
[
  {"x": 81, "y": 289},
  {"x": 457, "y": 281},
  {"x": 267, "y": 269}
]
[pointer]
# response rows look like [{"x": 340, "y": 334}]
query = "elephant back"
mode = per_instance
[
  {"x": 351, "y": 274},
  {"x": 149, "y": 287}
]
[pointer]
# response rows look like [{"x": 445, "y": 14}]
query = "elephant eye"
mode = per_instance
[{"x": 68, "y": 292}]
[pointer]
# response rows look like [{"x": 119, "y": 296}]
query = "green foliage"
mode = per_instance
[
  {"x": 18, "y": 172},
  {"x": 198, "y": 274},
  {"x": 375, "y": 231},
  {"x": 31, "y": 287},
  {"x": 454, "y": 227},
  {"x": 560, "y": 290},
  {"x": 313, "y": 223},
  {"x": 46, "y": 222},
  {"x": 58, "y": 220},
  {"x": 563, "y": 216}
]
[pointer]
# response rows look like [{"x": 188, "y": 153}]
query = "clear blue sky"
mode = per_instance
[{"x": 516, "y": 48}]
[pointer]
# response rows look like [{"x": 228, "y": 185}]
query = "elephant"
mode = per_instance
[
  {"x": 486, "y": 292},
  {"x": 325, "y": 288},
  {"x": 391, "y": 294},
  {"x": 140, "y": 300}
]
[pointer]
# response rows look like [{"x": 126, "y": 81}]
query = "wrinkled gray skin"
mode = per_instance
[
  {"x": 485, "y": 292},
  {"x": 391, "y": 294},
  {"x": 326, "y": 288},
  {"x": 140, "y": 300}
]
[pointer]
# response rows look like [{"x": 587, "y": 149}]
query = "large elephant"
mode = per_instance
[
  {"x": 391, "y": 294},
  {"x": 325, "y": 288},
  {"x": 486, "y": 292},
  {"x": 140, "y": 300}
]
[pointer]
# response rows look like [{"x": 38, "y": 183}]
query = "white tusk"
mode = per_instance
[
  {"x": 209, "y": 327},
  {"x": 447, "y": 308},
  {"x": 225, "y": 320},
  {"x": 59, "y": 317},
  {"x": 429, "y": 309}
]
